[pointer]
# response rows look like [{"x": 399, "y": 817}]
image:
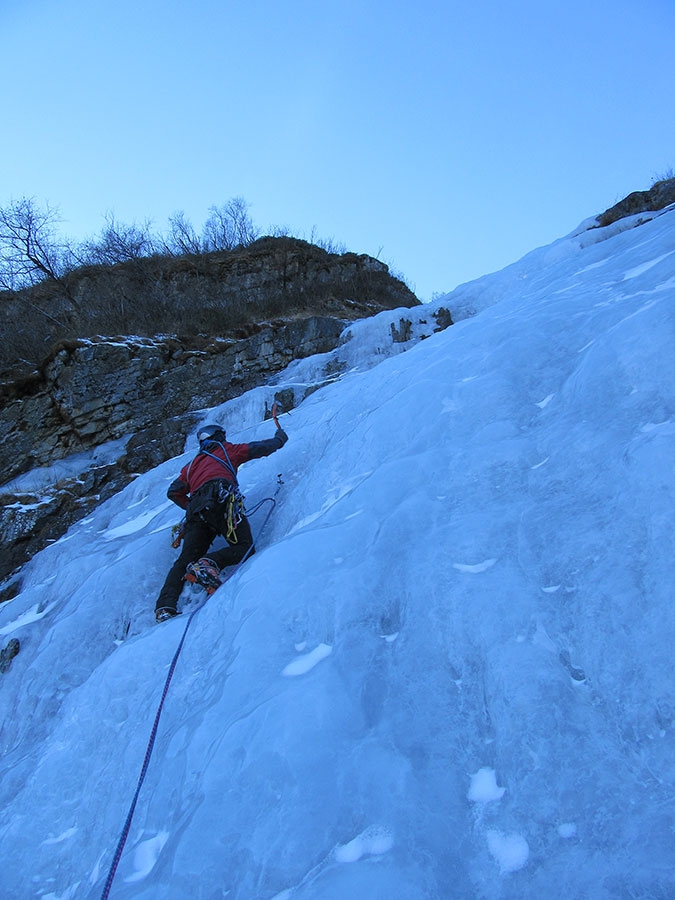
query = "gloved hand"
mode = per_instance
[{"x": 281, "y": 435}]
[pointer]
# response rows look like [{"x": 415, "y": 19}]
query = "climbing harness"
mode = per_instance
[{"x": 153, "y": 734}]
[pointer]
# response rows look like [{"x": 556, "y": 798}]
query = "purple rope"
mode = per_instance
[
  {"x": 153, "y": 734},
  {"x": 146, "y": 762}
]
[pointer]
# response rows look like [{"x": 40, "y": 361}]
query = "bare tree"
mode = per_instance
[
  {"x": 182, "y": 239},
  {"x": 119, "y": 243},
  {"x": 229, "y": 226},
  {"x": 30, "y": 250}
]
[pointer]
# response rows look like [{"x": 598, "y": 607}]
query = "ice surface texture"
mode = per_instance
[{"x": 448, "y": 670}]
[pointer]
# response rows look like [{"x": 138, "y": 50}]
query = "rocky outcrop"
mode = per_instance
[
  {"x": 659, "y": 196},
  {"x": 93, "y": 391},
  {"x": 7, "y": 654},
  {"x": 219, "y": 293}
]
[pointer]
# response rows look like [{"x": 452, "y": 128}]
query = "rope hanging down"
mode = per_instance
[{"x": 153, "y": 734}]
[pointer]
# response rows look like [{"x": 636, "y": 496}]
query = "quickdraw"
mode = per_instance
[
  {"x": 177, "y": 534},
  {"x": 233, "y": 500}
]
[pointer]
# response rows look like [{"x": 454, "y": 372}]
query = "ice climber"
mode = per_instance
[{"x": 208, "y": 491}]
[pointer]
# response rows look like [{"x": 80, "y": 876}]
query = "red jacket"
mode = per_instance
[{"x": 205, "y": 468}]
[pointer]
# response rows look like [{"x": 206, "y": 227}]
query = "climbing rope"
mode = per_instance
[
  {"x": 144, "y": 768},
  {"x": 153, "y": 734}
]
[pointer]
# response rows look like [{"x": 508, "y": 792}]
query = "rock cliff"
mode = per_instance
[
  {"x": 101, "y": 389},
  {"x": 220, "y": 293}
]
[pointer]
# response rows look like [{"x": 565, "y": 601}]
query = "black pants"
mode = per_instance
[{"x": 198, "y": 538}]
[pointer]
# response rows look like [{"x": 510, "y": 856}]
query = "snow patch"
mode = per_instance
[
  {"x": 69, "y": 894},
  {"x": 60, "y": 839},
  {"x": 34, "y": 614},
  {"x": 133, "y": 525},
  {"x": 70, "y": 467},
  {"x": 146, "y": 855},
  {"x": 475, "y": 569},
  {"x": 374, "y": 841},
  {"x": 639, "y": 270},
  {"x": 305, "y": 663},
  {"x": 511, "y": 851},
  {"x": 484, "y": 788}
]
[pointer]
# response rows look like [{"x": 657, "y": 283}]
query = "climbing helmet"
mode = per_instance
[{"x": 210, "y": 433}]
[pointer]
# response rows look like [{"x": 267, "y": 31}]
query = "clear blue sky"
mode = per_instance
[{"x": 447, "y": 137}]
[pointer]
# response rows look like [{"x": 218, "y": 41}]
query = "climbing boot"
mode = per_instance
[
  {"x": 164, "y": 613},
  {"x": 204, "y": 572}
]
